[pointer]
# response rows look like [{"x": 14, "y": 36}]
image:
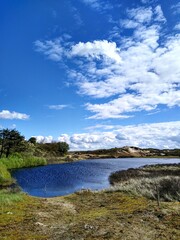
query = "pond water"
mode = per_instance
[{"x": 63, "y": 179}]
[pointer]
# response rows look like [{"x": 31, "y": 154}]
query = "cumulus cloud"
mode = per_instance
[
  {"x": 44, "y": 139},
  {"x": 154, "y": 135},
  {"x": 97, "y": 50},
  {"x": 64, "y": 138},
  {"x": 135, "y": 73},
  {"x": 6, "y": 114},
  {"x": 145, "y": 77}
]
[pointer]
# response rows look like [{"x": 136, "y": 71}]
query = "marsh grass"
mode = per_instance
[
  {"x": 5, "y": 176},
  {"x": 148, "y": 171},
  {"x": 20, "y": 161},
  {"x": 160, "y": 182},
  {"x": 164, "y": 188}
]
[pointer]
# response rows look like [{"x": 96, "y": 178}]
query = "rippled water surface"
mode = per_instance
[{"x": 63, "y": 179}]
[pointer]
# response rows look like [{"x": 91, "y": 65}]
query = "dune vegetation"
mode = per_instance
[{"x": 157, "y": 182}]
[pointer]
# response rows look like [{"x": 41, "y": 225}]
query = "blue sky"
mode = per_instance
[{"x": 93, "y": 73}]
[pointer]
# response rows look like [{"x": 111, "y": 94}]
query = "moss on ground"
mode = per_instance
[
  {"x": 89, "y": 215},
  {"x": 17, "y": 216}
]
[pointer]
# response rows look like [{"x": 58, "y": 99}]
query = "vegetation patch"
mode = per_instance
[
  {"x": 20, "y": 161},
  {"x": 107, "y": 215},
  {"x": 18, "y": 216},
  {"x": 160, "y": 182},
  {"x": 5, "y": 176}
]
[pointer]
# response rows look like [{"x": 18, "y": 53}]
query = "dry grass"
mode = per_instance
[
  {"x": 160, "y": 182},
  {"x": 165, "y": 188}
]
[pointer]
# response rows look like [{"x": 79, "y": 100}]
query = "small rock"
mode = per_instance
[
  {"x": 87, "y": 226},
  {"x": 40, "y": 224},
  {"x": 9, "y": 213}
]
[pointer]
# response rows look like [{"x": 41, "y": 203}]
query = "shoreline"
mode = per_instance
[{"x": 59, "y": 160}]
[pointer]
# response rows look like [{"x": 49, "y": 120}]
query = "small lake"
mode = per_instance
[{"x": 63, "y": 179}]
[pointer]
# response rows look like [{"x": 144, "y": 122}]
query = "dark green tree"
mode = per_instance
[
  {"x": 63, "y": 148},
  {"x": 9, "y": 139},
  {"x": 32, "y": 140}
]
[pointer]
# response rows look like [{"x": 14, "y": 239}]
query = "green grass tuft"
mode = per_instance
[
  {"x": 5, "y": 176},
  {"x": 7, "y": 197}
]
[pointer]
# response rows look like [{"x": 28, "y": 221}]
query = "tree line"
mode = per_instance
[{"x": 11, "y": 141}]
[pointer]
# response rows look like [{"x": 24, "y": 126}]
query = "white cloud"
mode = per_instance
[
  {"x": 58, "y": 107},
  {"x": 156, "y": 135},
  {"x": 44, "y": 139},
  {"x": 99, "y": 5},
  {"x": 64, "y": 138},
  {"x": 150, "y": 135},
  {"x": 6, "y": 114},
  {"x": 97, "y": 49},
  {"x": 139, "y": 72},
  {"x": 148, "y": 1},
  {"x": 127, "y": 23},
  {"x": 159, "y": 16},
  {"x": 52, "y": 49},
  {"x": 177, "y": 27},
  {"x": 145, "y": 1},
  {"x": 146, "y": 69},
  {"x": 132, "y": 103},
  {"x": 141, "y": 14},
  {"x": 176, "y": 8}
]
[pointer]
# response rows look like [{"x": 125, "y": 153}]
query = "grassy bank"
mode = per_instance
[
  {"x": 16, "y": 161},
  {"x": 5, "y": 176},
  {"x": 157, "y": 182}
]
